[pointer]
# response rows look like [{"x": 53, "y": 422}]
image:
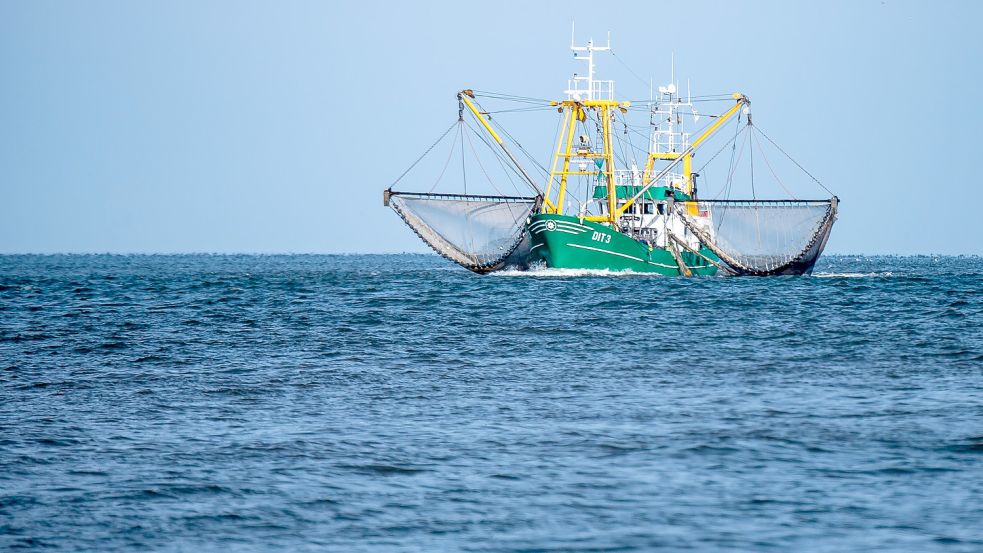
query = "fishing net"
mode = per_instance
[
  {"x": 479, "y": 233},
  {"x": 763, "y": 237}
]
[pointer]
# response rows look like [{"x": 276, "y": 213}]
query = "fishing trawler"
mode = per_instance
[{"x": 591, "y": 213}]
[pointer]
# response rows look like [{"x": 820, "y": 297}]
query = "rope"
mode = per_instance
[
  {"x": 424, "y": 155},
  {"x": 506, "y": 164},
  {"x": 523, "y": 150},
  {"x": 550, "y": 180},
  {"x": 734, "y": 162},
  {"x": 464, "y": 172},
  {"x": 700, "y": 170},
  {"x": 482, "y": 167},
  {"x": 514, "y": 110},
  {"x": 828, "y": 191},
  {"x": 629, "y": 69},
  {"x": 768, "y": 164},
  {"x": 447, "y": 163},
  {"x": 514, "y": 141},
  {"x": 510, "y": 97},
  {"x": 694, "y": 99},
  {"x": 631, "y": 144},
  {"x": 751, "y": 157},
  {"x": 506, "y": 167}
]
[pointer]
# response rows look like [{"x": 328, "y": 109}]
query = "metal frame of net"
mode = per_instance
[
  {"x": 479, "y": 233},
  {"x": 764, "y": 237}
]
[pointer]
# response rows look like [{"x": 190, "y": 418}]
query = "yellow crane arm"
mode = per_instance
[
  {"x": 742, "y": 101},
  {"x": 463, "y": 97}
]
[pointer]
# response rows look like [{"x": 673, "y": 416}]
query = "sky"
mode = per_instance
[{"x": 273, "y": 127}]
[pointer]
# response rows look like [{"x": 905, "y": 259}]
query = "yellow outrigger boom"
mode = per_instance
[
  {"x": 463, "y": 96},
  {"x": 686, "y": 157}
]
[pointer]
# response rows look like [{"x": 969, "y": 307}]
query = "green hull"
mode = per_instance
[{"x": 565, "y": 242}]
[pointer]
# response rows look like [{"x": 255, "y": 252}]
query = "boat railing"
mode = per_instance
[
  {"x": 627, "y": 177},
  {"x": 633, "y": 177},
  {"x": 582, "y": 89}
]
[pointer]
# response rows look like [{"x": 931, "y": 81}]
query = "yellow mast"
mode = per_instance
[
  {"x": 573, "y": 111},
  {"x": 576, "y": 113},
  {"x": 567, "y": 115},
  {"x": 609, "y": 165}
]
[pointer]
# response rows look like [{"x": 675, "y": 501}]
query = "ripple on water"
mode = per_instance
[{"x": 397, "y": 403}]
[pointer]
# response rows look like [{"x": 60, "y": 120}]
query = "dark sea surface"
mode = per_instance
[{"x": 400, "y": 403}]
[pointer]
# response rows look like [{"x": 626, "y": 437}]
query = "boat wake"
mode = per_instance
[
  {"x": 548, "y": 272},
  {"x": 542, "y": 271},
  {"x": 854, "y": 275}
]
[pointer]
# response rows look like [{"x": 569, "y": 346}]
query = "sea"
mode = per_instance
[{"x": 385, "y": 403}]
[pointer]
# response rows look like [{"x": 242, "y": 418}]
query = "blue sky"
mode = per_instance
[{"x": 273, "y": 127}]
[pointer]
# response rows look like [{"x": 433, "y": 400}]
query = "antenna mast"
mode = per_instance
[{"x": 594, "y": 89}]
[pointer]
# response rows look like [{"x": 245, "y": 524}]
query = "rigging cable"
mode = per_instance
[
  {"x": 633, "y": 129},
  {"x": 483, "y": 170},
  {"x": 621, "y": 142},
  {"x": 733, "y": 167},
  {"x": 536, "y": 162},
  {"x": 510, "y": 97},
  {"x": 649, "y": 84},
  {"x": 482, "y": 167},
  {"x": 751, "y": 152},
  {"x": 509, "y": 166},
  {"x": 768, "y": 164},
  {"x": 795, "y": 162},
  {"x": 556, "y": 140},
  {"x": 703, "y": 167},
  {"x": 624, "y": 121},
  {"x": 514, "y": 110},
  {"x": 730, "y": 167},
  {"x": 714, "y": 156},
  {"x": 512, "y": 138},
  {"x": 427, "y": 151},
  {"x": 621, "y": 156},
  {"x": 693, "y": 99},
  {"x": 447, "y": 163},
  {"x": 464, "y": 173}
]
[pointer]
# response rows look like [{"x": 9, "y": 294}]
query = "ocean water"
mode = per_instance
[{"x": 399, "y": 403}]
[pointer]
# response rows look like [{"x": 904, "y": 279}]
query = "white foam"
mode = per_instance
[
  {"x": 853, "y": 275},
  {"x": 547, "y": 272}
]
